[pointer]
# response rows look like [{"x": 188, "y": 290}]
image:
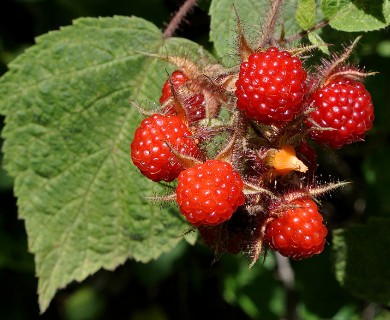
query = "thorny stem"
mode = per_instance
[
  {"x": 241, "y": 125},
  {"x": 178, "y": 18},
  {"x": 343, "y": 58},
  {"x": 269, "y": 25},
  {"x": 304, "y": 32},
  {"x": 245, "y": 49},
  {"x": 287, "y": 277}
]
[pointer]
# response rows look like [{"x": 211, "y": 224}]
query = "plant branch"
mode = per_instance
[
  {"x": 178, "y": 18},
  {"x": 304, "y": 32},
  {"x": 241, "y": 126},
  {"x": 269, "y": 24}
]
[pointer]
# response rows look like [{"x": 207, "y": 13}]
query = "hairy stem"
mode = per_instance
[
  {"x": 241, "y": 126},
  {"x": 178, "y": 18},
  {"x": 304, "y": 32},
  {"x": 269, "y": 25}
]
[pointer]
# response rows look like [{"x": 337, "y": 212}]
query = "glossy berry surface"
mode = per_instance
[
  {"x": 343, "y": 113},
  {"x": 209, "y": 193},
  {"x": 150, "y": 152},
  {"x": 271, "y": 86},
  {"x": 299, "y": 233},
  {"x": 177, "y": 79},
  {"x": 193, "y": 103}
]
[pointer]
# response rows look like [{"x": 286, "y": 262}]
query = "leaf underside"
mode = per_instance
[{"x": 69, "y": 124}]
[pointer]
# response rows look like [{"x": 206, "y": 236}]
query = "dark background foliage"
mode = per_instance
[{"x": 188, "y": 283}]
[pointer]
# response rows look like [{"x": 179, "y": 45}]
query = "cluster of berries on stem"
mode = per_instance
[{"x": 241, "y": 143}]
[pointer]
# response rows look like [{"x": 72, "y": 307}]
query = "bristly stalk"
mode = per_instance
[
  {"x": 343, "y": 58},
  {"x": 178, "y": 18},
  {"x": 241, "y": 127},
  {"x": 337, "y": 66},
  {"x": 269, "y": 24},
  {"x": 303, "y": 33},
  {"x": 244, "y": 48}
]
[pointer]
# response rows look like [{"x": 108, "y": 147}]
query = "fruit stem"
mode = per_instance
[{"x": 178, "y": 18}]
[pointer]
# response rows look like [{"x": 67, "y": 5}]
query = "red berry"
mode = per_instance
[
  {"x": 209, "y": 193},
  {"x": 343, "y": 112},
  {"x": 271, "y": 86},
  {"x": 150, "y": 152},
  {"x": 299, "y": 233},
  {"x": 177, "y": 79},
  {"x": 194, "y": 104}
]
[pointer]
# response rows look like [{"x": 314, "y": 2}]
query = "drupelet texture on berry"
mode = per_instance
[
  {"x": 299, "y": 232},
  {"x": 193, "y": 103},
  {"x": 271, "y": 86},
  {"x": 176, "y": 80},
  {"x": 152, "y": 143},
  {"x": 209, "y": 193},
  {"x": 343, "y": 113}
]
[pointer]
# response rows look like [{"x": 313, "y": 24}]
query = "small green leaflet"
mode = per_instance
[
  {"x": 315, "y": 39},
  {"x": 69, "y": 124}
]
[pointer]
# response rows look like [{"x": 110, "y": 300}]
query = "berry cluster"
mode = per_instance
[{"x": 246, "y": 178}]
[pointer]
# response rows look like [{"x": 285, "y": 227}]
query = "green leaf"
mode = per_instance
[
  {"x": 377, "y": 175},
  {"x": 314, "y": 290},
  {"x": 306, "y": 14},
  {"x": 69, "y": 124},
  {"x": 6, "y": 182},
  {"x": 223, "y": 26},
  {"x": 315, "y": 39},
  {"x": 256, "y": 291},
  {"x": 361, "y": 255},
  {"x": 354, "y": 16}
]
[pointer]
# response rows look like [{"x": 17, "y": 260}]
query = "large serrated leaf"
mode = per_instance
[
  {"x": 68, "y": 128},
  {"x": 223, "y": 24},
  {"x": 354, "y": 16},
  {"x": 362, "y": 259}
]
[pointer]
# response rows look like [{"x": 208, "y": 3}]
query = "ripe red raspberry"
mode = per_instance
[
  {"x": 299, "y": 233},
  {"x": 150, "y": 152},
  {"x": 195, "y": 104},
  {"x": 209, "y": 193},
  {"x": 271, "y": 86},
  {"x": 346, "y": 107}
]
